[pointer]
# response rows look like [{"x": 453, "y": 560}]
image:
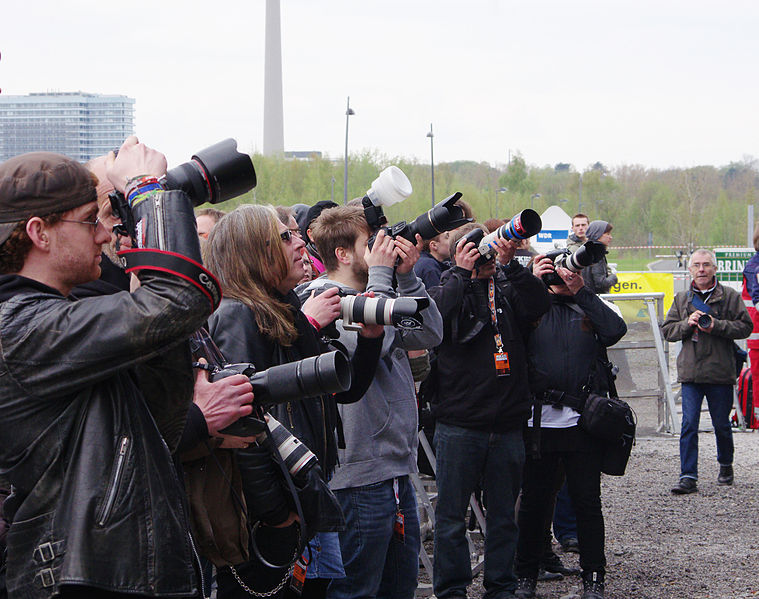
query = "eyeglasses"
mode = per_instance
[
  {"x": 296, "y": 232},
  {"x": 286, "y": 236},
  {"x": 92, "y": 223}
]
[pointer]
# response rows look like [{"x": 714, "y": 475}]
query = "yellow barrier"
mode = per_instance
[{"x": 643, "y": 282}]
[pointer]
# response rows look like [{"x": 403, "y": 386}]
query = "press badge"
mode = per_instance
[
  {"x": 399, "y": 528},
  {"x": 298, "y": 578},
  {"x": 502, "y": 367}
]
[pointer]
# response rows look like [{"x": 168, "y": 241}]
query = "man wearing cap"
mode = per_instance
[{"x": 96, "y": 509}]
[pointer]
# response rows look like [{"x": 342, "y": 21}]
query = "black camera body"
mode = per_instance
[
  {"x": 444, "y": 216},
  {"x": 589, "y": 253}
]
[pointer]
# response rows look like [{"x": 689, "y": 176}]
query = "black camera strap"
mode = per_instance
[{"x": 176, "y": 264}]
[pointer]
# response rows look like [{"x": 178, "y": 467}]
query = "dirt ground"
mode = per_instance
[{"x": 659, "y": 545}]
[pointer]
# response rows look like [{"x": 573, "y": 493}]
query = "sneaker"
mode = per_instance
[
  {"x": 570, "y": 545},
  {"x": 593, "y": 586},
  {"x": 685, "y": 486},
  {"x": 725, "y": 475},
  {"x": 526, "y": 588},
  {"x": 552, "y": 563}
]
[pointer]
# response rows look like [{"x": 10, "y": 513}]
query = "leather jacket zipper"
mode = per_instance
[
  {"x": 113, "y": 487},
  {"x": 196, "y": 557},
  {"x": 159, "y": 222}
]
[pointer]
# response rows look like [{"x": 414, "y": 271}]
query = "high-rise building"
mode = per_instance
[{"x": 77, "y": 124}]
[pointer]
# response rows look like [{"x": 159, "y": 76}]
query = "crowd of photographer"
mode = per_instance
[{"x": 154, "y": 429}]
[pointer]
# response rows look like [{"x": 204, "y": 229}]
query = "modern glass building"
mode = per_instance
[{"x": 77, "y": 124}]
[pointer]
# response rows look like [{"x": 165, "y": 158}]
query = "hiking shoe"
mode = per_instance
[
  {"x": 593, "y": 586},
  {"x": 685, "y": 486},
  {"x": 552, "y": 563},
  {"x": 570, "y": 545},
  {"x": 725, "y": 475},
  {"x": 525, "y": 588}
]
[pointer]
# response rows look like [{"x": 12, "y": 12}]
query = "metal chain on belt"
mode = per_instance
[{"x": 270, "y": 593}]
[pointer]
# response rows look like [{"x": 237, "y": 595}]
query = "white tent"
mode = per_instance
[{"x": 557, "y": 225}]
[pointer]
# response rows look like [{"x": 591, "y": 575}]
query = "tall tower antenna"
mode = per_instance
[{"x": 274, "y": 136}]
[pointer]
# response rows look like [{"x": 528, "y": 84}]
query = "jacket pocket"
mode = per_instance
[{"x": 111, "y": 491}]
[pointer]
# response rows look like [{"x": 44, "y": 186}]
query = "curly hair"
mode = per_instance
[{"x": 16, "y": 248}]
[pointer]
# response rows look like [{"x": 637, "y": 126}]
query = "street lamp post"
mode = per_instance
[
  {"x": 332, "y": 190},
  {"x": 348, "y": 112},
  {"x": 432, "y": 163},
  {"x": 532, "y": 200}
]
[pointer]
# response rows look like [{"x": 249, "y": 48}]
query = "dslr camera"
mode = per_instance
[
  {"x": 589, "y": 253},
  {"x": 392, "y": 186},
  {"x": 524, "y": 225}
]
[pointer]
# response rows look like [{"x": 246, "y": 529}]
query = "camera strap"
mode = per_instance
[
  {"x": 176, "y": 264},
  {"x": 500, "y": 357}
]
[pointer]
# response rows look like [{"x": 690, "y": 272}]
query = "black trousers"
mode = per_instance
[{"x": 580, "y": 456}]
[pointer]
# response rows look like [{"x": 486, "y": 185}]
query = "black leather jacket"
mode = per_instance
[
  {"x": 96, "y": 499},
  {"x": 313, "y": 420}
]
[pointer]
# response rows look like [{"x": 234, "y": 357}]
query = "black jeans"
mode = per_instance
[{"x": 581, "y": 459}]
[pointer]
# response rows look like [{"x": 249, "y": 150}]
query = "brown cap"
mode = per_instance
[{"x": 38, "y": 184}]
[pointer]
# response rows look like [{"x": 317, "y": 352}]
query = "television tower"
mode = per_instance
[{"x": 274, "y": 136}]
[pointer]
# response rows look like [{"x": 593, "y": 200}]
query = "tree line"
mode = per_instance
[{"x": 701, "y": 205}]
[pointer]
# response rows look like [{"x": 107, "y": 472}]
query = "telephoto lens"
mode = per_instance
[
  {"x": 215, "y": 174},
  {"x": 524, "y": 225},
  {"x": 401, "y": 312},
  {"x": 296, "y": 456},
  {"x": 589, "y": 253}
]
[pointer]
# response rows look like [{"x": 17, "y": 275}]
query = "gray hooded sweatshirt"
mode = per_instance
[{"x": 381, "y": 428}]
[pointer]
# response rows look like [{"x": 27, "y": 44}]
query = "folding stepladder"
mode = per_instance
[{"x": 426, "y": 498}]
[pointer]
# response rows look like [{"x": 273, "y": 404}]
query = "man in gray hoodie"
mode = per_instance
[{"x": 380, "y": 545}]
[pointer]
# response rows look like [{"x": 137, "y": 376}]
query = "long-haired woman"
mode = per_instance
[{"x": 258, "y": 261}]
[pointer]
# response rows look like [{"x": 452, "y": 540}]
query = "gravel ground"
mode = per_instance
[{"x": 658, "y": 545}]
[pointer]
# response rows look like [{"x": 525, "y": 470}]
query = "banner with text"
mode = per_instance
[{"x": 643, "y": 282}]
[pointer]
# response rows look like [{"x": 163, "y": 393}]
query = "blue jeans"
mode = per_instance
[
  {"x": 564, "y": 519},
  {"x": 464, "y": 458},
  {"x": 377, "y": 564},
  {"x": 719, "y": 398}
]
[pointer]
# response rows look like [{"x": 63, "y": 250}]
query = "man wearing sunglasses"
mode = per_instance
[{"x": 96, "y": 509}]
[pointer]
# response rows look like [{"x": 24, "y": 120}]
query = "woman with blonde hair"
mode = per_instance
[{"x": 258, "y": 262}]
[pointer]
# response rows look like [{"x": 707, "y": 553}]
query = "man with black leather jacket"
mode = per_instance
[
  {"x": 97, "y": 509},
  {"x": 564, "y": 352}
]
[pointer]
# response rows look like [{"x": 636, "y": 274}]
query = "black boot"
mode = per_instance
[
  {"x": 552, "y": 563},
  {"x": 725, "y": 475},
  {"x": 592, "y": 585},
  {"x": 526, "y": 588}
]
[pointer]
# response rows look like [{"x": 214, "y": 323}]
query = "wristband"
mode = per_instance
[
  {"x": 314, "y": 323},
  {"x": 137, "y": 186}
]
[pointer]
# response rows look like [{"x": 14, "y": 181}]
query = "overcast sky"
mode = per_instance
[{"x": 658, "y": 83}]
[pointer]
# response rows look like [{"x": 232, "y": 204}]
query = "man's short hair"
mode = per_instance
[
  {"x": 493, "y": 223},
  {"x": 756, "y": 237},
  {"x": 214, "y": 213},
  {"x": 709, "y": 253},
  {"x": 284, "y": 213},
  {"x": 335, "y": 228},
  {"x": 580, "y": 215}
]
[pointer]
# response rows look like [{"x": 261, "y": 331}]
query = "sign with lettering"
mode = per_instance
[
  {"x": 730, "y": 264},
  {"x": 642, "y": 282}
]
